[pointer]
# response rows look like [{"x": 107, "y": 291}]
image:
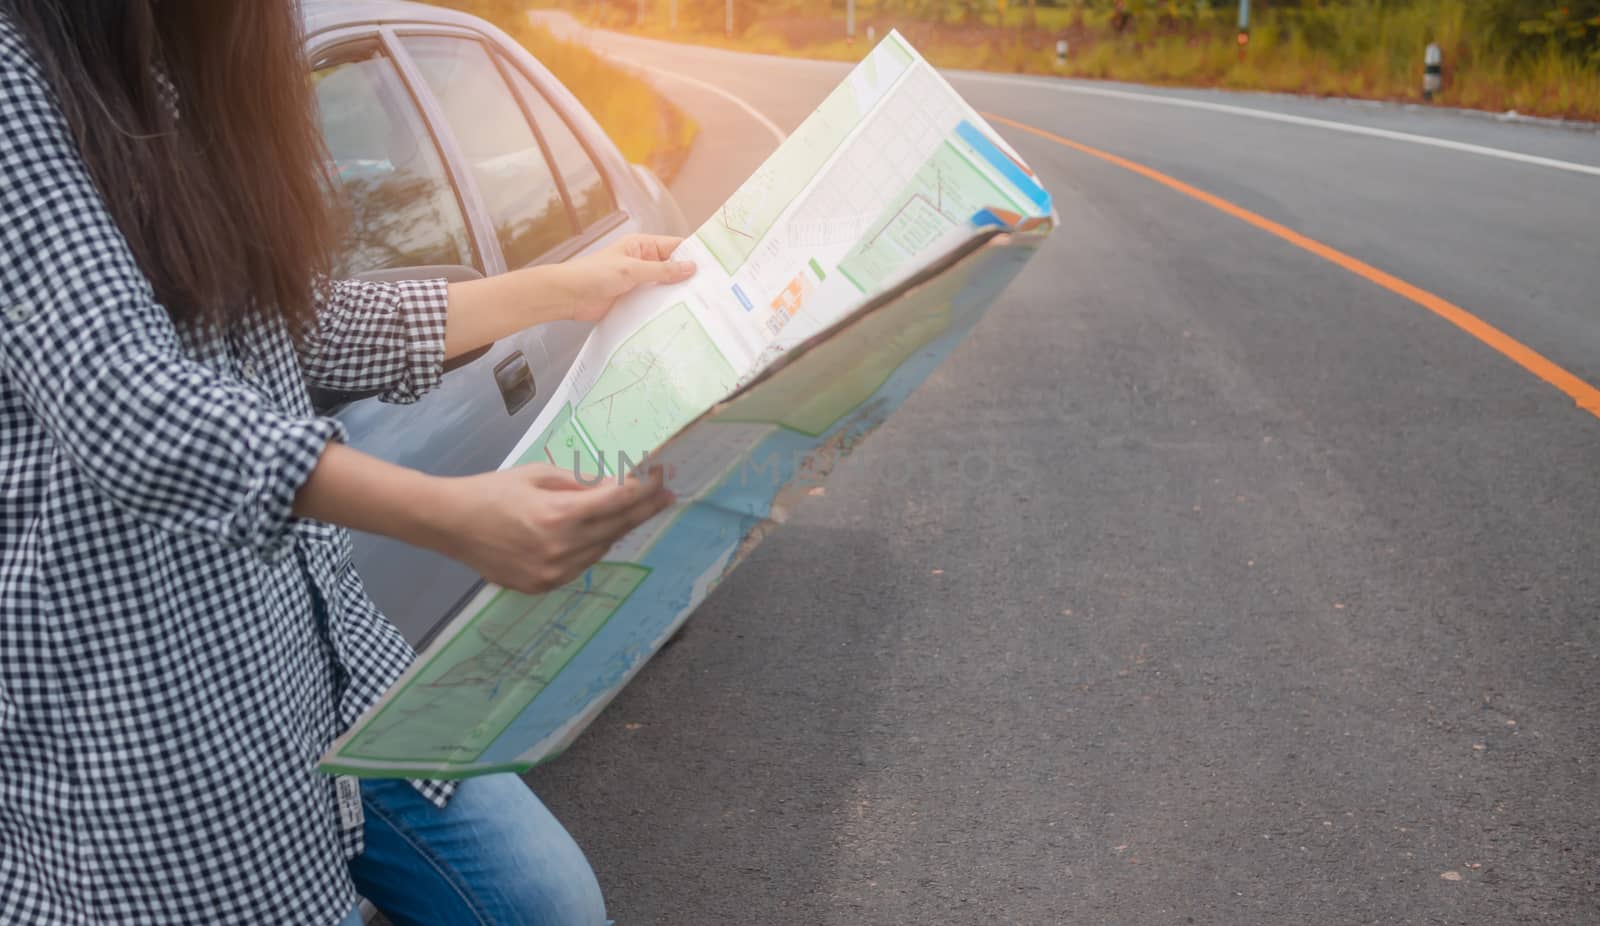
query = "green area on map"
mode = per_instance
[
  {"x": 561, "y": 445},
  {"x": 662, "y": 377},
  {"x": 824, "y": 384},
  {"x": 473, "y": 688},
  {"x": 946, "y": 192},
  {"x": 733, "y": 231}
]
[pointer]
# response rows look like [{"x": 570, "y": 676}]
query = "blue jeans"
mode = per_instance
[{"x": 494, "y": 857}]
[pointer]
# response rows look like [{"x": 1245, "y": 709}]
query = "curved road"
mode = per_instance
[{"x": 1211, "y": 581}]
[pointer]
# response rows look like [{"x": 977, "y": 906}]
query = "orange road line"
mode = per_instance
[{"x": 1586, "y": 396}]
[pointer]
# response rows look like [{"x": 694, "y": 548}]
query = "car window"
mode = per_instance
[
  {"x": 513, "y": 176},
  {"x": 399, "y": 207},
  {"x": 586, "y": 186}
]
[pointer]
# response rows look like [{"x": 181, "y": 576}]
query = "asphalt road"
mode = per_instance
[{"x": 1280, "y": 605}]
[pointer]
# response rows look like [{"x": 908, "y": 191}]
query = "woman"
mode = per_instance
[{"x": 181, "y": 634}]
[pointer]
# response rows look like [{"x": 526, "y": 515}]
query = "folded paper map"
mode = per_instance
[{"x": 830, "y": 285}]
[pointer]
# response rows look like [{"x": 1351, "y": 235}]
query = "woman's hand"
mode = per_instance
[
  {"x": 530, "y": 528},
  {"x": 583, "y": 288},
  {"x": 595, "y": 281},
  {"x": 533, "y": 528}
]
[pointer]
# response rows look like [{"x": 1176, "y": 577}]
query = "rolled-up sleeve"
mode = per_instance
[
  {"x": 100, "y": 365},
  {"x": 383, "y": 338}
]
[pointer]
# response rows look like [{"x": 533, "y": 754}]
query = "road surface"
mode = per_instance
[{"x": 1281, "y": 605}]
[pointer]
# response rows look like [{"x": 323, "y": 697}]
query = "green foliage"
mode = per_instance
[
  {"x": 1571, "y": 28},
  {"x": 1535, "y": 56}
]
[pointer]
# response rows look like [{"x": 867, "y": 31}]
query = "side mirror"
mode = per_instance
[{"x": 325, "y": 401}]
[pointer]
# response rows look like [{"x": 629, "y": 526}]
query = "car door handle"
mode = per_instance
[{"x": 515, "y": 380}]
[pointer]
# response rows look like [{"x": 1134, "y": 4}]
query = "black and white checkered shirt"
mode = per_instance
[{"x": 166, "y": 687}]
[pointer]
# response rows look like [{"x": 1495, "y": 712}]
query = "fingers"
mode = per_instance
[
  {"x": 660, "y": 271},
  {"x": 574, "y": 524},
  {"x": 652, "y": 247},
  {"x": 611, "y": 528},
  {"x": 554, "y": 478},
  {"x": 651, "y": 259},
  {"x": 598, "y": 538},
  {"x": 593, "y": 498},
  {"x": 604, "y": 502},
  {"x": 606, "y": 519},
  {"x": 581, "y": 503}
]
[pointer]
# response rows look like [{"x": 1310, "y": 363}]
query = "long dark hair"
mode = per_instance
[{"x": 220, "y": 197}]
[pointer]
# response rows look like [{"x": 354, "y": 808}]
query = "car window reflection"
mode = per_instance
[
  {"x": 591, "y": 198},
  {"x": 507, "y": 162},
  {"x": 396, "y": 200}
]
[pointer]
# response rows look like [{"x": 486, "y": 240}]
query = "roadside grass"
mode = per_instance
[
  {"x": 1368, "y": 49},
  {"x": 645, "y": 126}
]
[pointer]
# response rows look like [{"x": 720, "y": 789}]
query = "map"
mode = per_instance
[
  {"x": 830, "y": 285},
  {"x": 945, "y": 193},
  {"x": 822, "y": 386},
  {"x": 660, "y": 378},
  {"x": 561, "y": 445},
  {"x": 506, "y": 655},
  {"x": 742, "y": 221},
  {"x": 657, "y": 381}
]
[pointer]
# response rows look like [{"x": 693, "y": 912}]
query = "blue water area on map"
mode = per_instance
[{"x": 1002, "y": 162}]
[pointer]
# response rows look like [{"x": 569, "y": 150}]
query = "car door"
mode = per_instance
[{"x": 414, "y": 194}]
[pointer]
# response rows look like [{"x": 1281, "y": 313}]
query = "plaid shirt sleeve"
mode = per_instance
[
  {"x": 101, "y": 366},
  {"x": 377, "y": 337}
]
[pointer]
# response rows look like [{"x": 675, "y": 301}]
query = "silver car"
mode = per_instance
[{"x": 459, "y": 156}]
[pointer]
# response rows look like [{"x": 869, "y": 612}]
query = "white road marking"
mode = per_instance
[
  {"x": 565, "y": 24},
  {"x": 1271, "y": 116},
  {"x": 709, "y": 87}
]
